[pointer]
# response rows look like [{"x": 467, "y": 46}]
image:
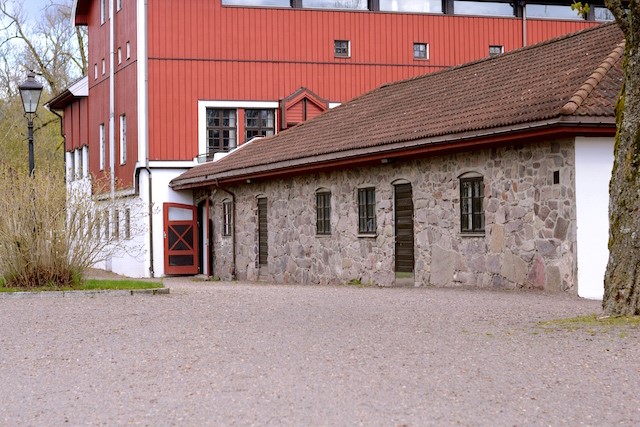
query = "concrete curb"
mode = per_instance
[{"x": 84, "y": 294}]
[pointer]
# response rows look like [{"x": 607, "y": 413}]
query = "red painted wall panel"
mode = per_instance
[
  {"x": 200, "y": 50},
  {"x": 126, "y": 90}
]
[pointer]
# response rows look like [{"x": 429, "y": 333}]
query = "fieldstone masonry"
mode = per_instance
[{"x": 529, "y": 238}]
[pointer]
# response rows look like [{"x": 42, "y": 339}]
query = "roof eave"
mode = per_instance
[{"x": 553, "y": 128}]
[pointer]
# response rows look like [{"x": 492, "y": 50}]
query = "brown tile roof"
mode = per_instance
[{"x": 571, "y": 77}]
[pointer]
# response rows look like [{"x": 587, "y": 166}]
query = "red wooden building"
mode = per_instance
[{"x": 171, "y": 83}]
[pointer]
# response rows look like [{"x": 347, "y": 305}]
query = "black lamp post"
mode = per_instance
[{"x": 30, "y": 92}]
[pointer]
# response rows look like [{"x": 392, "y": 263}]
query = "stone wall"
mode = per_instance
[{"x": 529, "y": 238}]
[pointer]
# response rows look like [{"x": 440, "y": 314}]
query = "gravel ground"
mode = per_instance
[{"x": 258, "y": 354}]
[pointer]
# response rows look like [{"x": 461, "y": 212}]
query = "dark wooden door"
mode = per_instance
[
  {"x": 180, "y": 239},
  {"x": 404, "y": 228},
  {"x": 263, "y": 248}
]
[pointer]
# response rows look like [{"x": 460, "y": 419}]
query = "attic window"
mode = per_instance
[
  {"x": 342, "y": 48},
  {"x": 495, "y": 50},
  {"x": 420, "y": 51}
]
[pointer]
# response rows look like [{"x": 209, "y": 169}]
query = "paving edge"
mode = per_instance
[{"x": 84, "y": 294}]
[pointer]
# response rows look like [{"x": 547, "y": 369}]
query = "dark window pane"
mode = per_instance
[{"x": 471, "y": 205}]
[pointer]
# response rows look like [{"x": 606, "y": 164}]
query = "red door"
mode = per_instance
[{"x": 180, "y": 239}]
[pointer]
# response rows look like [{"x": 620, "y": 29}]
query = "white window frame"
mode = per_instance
[
  {"x": 119, "y": 5},
  {"x": 85, "y": 161},
  {"x": 128, "y": 50},
  {"x": 102, "y": 146},
  {"x": 123, "y": 139},
  {"x": 119, "y": 55},
  {"x": 103, "y": 9},
  {"x": 348, "y": 48},
  {"x": 252, "y": 105},
  {"x": 426, "y": 51}
]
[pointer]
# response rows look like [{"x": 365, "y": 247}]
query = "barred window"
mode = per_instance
[
  {"x": 471, "y": 205},
  {"x": 323, "y": 212},
  {"x": 367, "y": 210}
]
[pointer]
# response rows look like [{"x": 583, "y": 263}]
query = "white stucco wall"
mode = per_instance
[
  {"x": 594, "y": 162},
  {"x": 163, "y": 194}
]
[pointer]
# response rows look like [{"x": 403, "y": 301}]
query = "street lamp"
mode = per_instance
[{"x": 30, "y": 92}]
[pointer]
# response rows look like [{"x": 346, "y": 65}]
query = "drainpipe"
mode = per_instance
[
  {"x": 112, "y": 101},
  {"x": 150, "y": 213},
  {"x": 62, "y": 134},
  {"x": 524, "y": 24},
  {"x": 150, "y": 182},
  {"x": 233, "y": 234}
]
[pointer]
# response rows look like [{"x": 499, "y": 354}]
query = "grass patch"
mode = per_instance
[
  {"x": 93, "y": 284},
  {"x": 593, "y": 324}
]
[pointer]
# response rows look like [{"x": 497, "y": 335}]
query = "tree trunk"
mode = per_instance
[{"x": 622, "y": 278}]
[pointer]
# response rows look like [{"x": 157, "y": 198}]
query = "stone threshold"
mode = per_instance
[{"x": 83, "y": 294}]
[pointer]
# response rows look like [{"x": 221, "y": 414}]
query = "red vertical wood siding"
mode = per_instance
[
  {"x": 126, "y": 101},
  {"x": 200, "y": 50}
]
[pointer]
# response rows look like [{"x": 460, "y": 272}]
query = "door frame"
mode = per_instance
[{"x": 194, "y": 248}]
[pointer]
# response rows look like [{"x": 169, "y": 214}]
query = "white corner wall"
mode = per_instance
[
  {"x": 594, "y": 163},
  {"x": 162, "y": 193}
]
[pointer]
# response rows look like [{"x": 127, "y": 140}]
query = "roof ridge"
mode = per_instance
[{"x": 592, "y": 81}]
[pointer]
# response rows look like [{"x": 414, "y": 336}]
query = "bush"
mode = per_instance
[{"x": 49, "y": 236}]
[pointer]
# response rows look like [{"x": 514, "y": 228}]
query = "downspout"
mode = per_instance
[
  {"x": 62, "y": 134},
  {"x": 233, "y": 234},
  {"x": 112, "y": 102},
  {"x": 524, "y": 24},
  {"x": 143, "y": 113}
]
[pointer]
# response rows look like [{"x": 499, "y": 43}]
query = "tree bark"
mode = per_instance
[{"x": 622, "y": 278}]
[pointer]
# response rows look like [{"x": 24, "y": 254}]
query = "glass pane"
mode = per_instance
[
  {"x": 180, "y": 260},
  {"x": 551, "y": 11},
  {"x": 603, "y": 14},
  {"x": 424, "y": 6},
  {"x": 180, "y": 214},
  {"x": 335, "y": 4},
  {"x": 482, "y": 8},
  {"x": 276, "y": 3}
]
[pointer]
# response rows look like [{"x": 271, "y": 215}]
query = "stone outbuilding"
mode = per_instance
[{"x": 490, "y": 174}]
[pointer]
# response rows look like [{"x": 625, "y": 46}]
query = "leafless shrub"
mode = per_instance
[{"x": 49, "y": 234}]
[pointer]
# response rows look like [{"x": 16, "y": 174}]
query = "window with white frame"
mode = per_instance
[
  {"x": 123, "y": 139},
  {"x": 119, "y": 55},
  {"x": 258, "y": 123},
  {"x": 495, "y": 50},
  {"x": 221, "y": 130},
  {"x": 116, "y": 224},
  {"x": 420, "y": 51},
  {"x": 71, "y": 166},
  {"x": 107, "y": 225},
  {"x": 79, "y": 168},
  {"x": 119, "y": 4},
  {"x": 127, "y": 223},
  {"x": 102, "y": 147},
  {"x": 85, "y": 161},
  {"x": 342, "y": 48},
  {"x": 223, "y": 125},
  {"x": 103, "y": 10},
  {"x": 128, "y": 50}
]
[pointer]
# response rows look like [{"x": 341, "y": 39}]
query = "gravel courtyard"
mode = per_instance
[{"x": 258, "y": 354}]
